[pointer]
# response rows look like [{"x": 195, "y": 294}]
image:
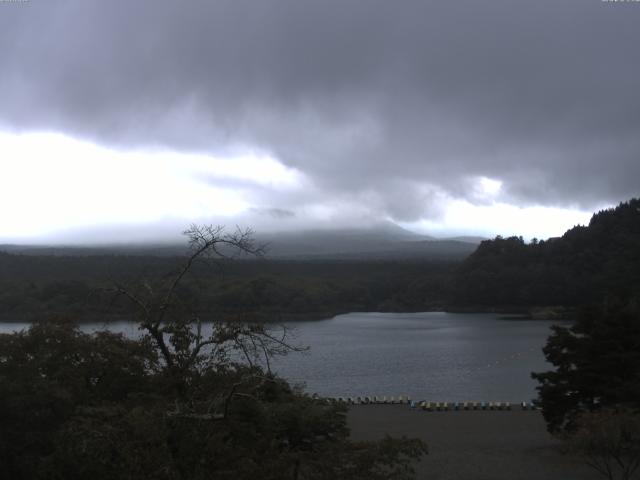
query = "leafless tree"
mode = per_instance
[{"x": 176, "y": 328}]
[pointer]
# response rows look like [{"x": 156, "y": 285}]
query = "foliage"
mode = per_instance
[
  {"x": 597, "y": 364},
  {"x": 176, "y": 403},
  {"x": 31, "y": 286},
  {"x": 52, "y": 371},
  {"x": 585, "y": 263},
  {"x": 609, "y": 441}
]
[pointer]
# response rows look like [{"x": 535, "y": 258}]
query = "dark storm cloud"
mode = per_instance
[{"x": 398, "y": 104}]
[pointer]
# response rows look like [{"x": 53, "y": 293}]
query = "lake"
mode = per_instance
[{"x": 435, "y": 355}]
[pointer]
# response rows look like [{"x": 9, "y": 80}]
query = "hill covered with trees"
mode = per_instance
[{"x": 585, "y": 264}]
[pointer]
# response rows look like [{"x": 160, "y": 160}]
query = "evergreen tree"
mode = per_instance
[{"x": 597, "y": 364}]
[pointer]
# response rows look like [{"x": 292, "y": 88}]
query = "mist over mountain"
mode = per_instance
[{"x": 383, "y": 240}]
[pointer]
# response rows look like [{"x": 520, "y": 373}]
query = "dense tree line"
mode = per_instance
[
  {"x": 32, "y": 286},
  {"x": 586, "y": 263}
]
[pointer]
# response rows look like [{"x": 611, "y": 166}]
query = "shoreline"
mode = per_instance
[{"x": 507, "y": 314}]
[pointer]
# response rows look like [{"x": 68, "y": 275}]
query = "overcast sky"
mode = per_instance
[{"x": 122, "y": 120}]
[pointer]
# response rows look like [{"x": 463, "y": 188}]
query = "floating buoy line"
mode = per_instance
[{"x": 429, "y": 406}]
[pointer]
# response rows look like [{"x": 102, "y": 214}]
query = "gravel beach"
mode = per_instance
[{"x": 473, "y": 445}]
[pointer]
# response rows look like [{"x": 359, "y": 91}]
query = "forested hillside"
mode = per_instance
[
  {"x": 35, "y": 285},
  {"x": 584, "y": 265}
]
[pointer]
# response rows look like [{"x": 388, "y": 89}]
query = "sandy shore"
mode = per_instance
[{"x": 473, "y": 445}]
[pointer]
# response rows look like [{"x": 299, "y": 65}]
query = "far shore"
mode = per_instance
[
  {"x": 110, "y": 318},
  {"x": 503, "y": 313},
  {"x": 477, "y": 445}
]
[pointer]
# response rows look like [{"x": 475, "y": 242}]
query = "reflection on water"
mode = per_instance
[{"x": 435, "y": 355}]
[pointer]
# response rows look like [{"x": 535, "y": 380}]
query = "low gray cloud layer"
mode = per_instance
[{"x": 393, "y": 104}]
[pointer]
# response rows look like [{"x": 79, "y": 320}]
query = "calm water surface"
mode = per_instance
[{"x": 436, "y": 356}]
